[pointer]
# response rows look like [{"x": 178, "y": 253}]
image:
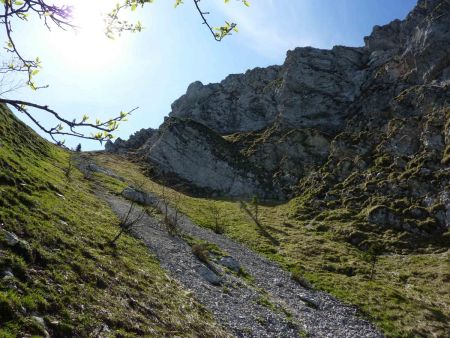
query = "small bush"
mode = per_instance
[
  {"x": 7, "y": 306},
  {"x": 201, "y": 252},
  {"x": 403, "y": 278},
  {"x": 33, "y": 327},
  {"x": 371, "y": 257},
  {"x": 245, "y": 275},
  {"x": 68, "y": 170},
  {"x": 297, "y": 275},
  {"x": 219, "y": 228},
  {"x": 171, "y": 225},
  {"x": 217, "y": 218}
]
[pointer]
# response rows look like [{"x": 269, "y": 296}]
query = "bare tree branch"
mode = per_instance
[
  {"x": 105, "y": 128},
  {"x": 128, "y": 221},
  {"x": 60, "y": 17},
  {"x": 116, "y": 25},
  {"x": 218, "y": 33}
]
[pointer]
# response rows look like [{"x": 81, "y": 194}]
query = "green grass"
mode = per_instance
[
  {"x": 264, "y": 301},
  {"x": 208, "y": 246},
  {"x": 409, "y": 295},
  {"x": 65, "y": 272}
]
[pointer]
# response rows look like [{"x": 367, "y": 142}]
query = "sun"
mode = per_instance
[{"x": 87, "y": 47}]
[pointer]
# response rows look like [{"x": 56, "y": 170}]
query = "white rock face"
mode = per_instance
[
  {"x": 202, "y": 158},
  {"x": 311, "y": 89},
  {"x": 318, "y": 86},
  {"x": 261, "y": 132},
  {"x": 242, "y": 102}
]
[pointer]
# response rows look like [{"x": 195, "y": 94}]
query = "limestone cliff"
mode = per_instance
[{"x": 364, "y": 128}]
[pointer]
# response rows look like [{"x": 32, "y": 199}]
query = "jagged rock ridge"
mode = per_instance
[
  {"x": 134, "y": 142},
  {"x": 357, "y": 127}
]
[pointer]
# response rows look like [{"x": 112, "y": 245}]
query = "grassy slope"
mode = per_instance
[
  {"x": 66, "y": 274},
  {"x": 409, "y": 295}
]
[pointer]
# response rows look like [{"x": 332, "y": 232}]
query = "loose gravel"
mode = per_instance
[{"x": 268, "y": 304}]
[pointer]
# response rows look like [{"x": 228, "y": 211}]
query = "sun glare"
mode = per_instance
[{"x": 88, "y": 47}]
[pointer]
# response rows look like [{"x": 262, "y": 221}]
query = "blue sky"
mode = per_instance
[{"x": 88, "y": 73}]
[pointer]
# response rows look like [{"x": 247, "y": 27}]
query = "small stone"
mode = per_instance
[
  {"x": 7, "y": 273},
  {"x": 309, "y": 302},
  {"x": 208, "y": 275},
  {"x": 418, "y": 213},
  {"x": 60, "y": 195},
  {"x": 40, "y": 320},
  {"x": 139, "y": 196},
  {"x": 382, "y": 215},
  {"x": 105, "y": 328},
  {"x": 425, "y": 172},
  {"x": 278, "y": 282},
  {"x": 20, "y": 246},
  {"x": 11, "y": 238},
  {"x": 230, "y": 263}
]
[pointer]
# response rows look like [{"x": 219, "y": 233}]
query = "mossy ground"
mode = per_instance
[
  {"x": 67, "y": 274},
  {"x": 408, "y": 296}
]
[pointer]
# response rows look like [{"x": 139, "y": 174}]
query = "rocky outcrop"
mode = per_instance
[
  {"x": 196, "y": 155},
  {"x": 285, "y": 153},
  {"x": 138, "y": 196},
  {"x": 390, "y": 170},
  {"x": 417, "y": 48},
  {"x": 134, "y": 142},
  {"x": 242, "y": 102},
  {"x": 362, "y": 129},
  {"x": 310, "y": 90}
]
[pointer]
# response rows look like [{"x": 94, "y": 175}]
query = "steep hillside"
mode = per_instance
[{"x": 58, "y": 275}]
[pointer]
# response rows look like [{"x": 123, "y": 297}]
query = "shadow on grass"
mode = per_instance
[{"x": 261, "y": 228}]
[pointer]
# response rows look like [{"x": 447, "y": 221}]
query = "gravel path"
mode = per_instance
[{"x": 269, "y": 305}]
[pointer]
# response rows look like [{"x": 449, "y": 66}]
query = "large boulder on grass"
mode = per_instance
[{"x": 138, "y": 196}]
